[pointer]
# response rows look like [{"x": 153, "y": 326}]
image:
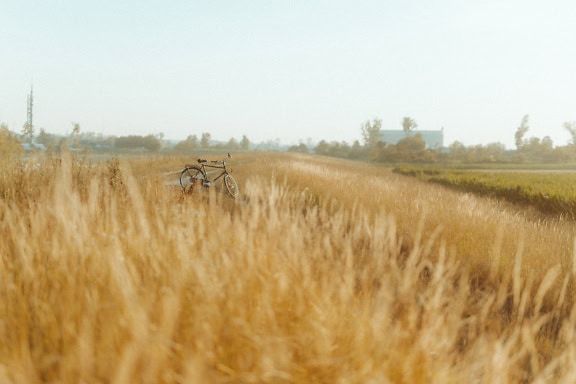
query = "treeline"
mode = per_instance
[
  {"x": 340, "y": 149},
  {"x": 93, "y": 141},
  {"x": 148, "y": 142},
  {"x": 192, "y": 143},
  {"x": 78, "y": 140},
  {"x": 412, "y": 148}
]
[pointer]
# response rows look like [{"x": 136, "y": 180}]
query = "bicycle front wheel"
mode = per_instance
[
  {"x": 190, "y": 177},
  {"x": 231, "y": 186}
]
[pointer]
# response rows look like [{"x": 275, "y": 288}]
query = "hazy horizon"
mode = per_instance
[{"x": 290, "y": 70}]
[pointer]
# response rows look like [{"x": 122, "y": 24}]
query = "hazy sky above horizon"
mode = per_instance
[{"x": 290, "y": 70}]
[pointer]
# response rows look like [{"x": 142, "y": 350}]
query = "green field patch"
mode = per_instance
[{"x": 552, "y": 193}]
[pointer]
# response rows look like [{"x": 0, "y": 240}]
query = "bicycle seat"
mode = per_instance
[{"x": 202, "y": 161}]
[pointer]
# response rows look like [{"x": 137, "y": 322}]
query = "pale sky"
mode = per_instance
[{"x": 290, "y": 70}]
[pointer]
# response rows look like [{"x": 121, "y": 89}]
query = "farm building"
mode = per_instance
[
  {"x": 27, "y": 147},
  {"x": 433, "y": 138}
]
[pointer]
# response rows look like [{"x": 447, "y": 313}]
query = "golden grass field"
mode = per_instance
[{"x": 323, "y": 271}]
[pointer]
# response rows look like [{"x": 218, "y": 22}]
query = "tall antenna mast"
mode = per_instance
[
  {"x": 28, "y": 131},
  {"x": 29, "y": 114}
]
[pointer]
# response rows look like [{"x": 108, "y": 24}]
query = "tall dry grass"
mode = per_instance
[{"x": 324, "y": 271}]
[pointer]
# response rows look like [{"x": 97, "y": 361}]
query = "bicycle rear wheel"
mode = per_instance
[
  {"x": 191, "y": 177},
  {"x": 231, "y": 186}
]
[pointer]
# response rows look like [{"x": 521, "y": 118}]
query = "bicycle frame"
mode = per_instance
[{"x": 217, "y": 164}]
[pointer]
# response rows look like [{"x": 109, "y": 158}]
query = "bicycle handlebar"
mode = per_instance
[{"x": 214, "y": 161}]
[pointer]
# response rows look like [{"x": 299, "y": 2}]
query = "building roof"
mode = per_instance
[{"x": 32, "y": 146}]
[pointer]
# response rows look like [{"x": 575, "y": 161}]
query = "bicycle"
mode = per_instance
[{"x": 193, "y": 175}]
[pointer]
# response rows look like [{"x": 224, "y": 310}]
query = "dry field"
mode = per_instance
[{"x": 324, "y": 271}]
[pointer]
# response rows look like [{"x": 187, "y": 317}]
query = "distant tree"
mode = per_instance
[
  {"x": 160, "y": 137},
  {"x": 356, "y": 151},
  {"x": 322, "y": 148},
  {"x": 152, "y": 143},
  {"x": 124, "y": 142},
  {"x": 244, "y": 143},
  {"x": 547, "y": 143},
  {"x": 149, "y": 142},
  {"x": 342, "y": 149},
  {"x": 302, "y": 148},
  {"x": 232, "y": 144},
  {"x": 334, "y": 148},
  {"x": 408, "y": 125},
  {"x": 495, "y": 151},
  {"x": 458, "y": 150},
  {"x": 205, "y": 140},
  {"x": 564, "y": 153},
  {"x": 489, "y": 153},
  {"x": 46, "y": 138},
  {"x": 411, "y": 144},
  {"x": 536, "y": 149},
  {"x": 193, "y": 140},
  {"x": 74, "y": 137},
  {"x": 75, "y": 128},
  {"x": 371, "y": 132},
  {"x": 188, "y": 145},
  {"x": 571, "y": 128},
  {"x": 382, "y": 152},
  {"x": 521, "y": 132}
]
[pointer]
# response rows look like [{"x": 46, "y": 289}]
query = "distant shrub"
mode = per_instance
[{"x": 10, "y": 147}]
